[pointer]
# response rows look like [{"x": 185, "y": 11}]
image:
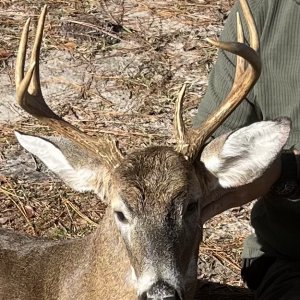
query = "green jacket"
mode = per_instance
[{"x": 277, "y": 93}]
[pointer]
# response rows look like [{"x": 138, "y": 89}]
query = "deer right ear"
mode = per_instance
[
  {"x": 71, "y": 163},
  {"x": 239, "y": 158}
]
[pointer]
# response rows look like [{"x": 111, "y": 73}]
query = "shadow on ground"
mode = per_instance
[{"x": 215, "y": 291}]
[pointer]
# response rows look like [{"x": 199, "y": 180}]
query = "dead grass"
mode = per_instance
[{"x": 135, "y": 56}]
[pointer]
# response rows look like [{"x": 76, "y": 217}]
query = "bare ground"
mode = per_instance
[{"x": 111, "y": 67}]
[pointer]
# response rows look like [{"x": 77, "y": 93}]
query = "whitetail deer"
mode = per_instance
[{"x": 146, "y": 247}]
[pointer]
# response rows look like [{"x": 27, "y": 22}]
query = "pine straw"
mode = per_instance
[{"x": 136, "y": 55}]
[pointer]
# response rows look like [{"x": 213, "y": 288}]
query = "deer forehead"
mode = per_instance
[{"x": 153, "y": 179}]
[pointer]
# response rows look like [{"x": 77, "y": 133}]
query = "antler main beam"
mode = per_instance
[
  {"x": 191, "y": 142},
  {"x": 30, "y": 98}
]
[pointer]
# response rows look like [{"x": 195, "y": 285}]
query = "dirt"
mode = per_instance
[{"x": 109, "y": 67}]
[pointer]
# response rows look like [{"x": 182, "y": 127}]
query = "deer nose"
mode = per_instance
[{"x": 161, "y": 291}]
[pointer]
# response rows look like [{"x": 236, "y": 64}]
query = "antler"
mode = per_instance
[
  {"x": 190, "y": 143},
  {"x": 30, "y": 98}
]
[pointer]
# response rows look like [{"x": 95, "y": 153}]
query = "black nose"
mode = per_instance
[{"x": 161, "y": 291}]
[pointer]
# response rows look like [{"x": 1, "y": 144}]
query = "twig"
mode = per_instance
[
  {"x": 96, "y": 28},
  {"x": 79, "y": 213},
  {"x": 19, "y": 205}
]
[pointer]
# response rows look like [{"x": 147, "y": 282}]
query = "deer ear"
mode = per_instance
[
  {"x": 72, "y": 164},
  {"x": 244, "y": 155}
]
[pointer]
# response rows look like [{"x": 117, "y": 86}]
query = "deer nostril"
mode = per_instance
[
  {"x": 143, "y": 296},
  {"x": 161, "y": 291},
  {"x": 177, "y": 297}
]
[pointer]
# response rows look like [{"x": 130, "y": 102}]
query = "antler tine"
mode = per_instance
[
  {"x": 254, "y": 39},
  {"x": 244, "y": 80},
  {"x": 30, "y": 98},
  {"x": 20, "y": 62},
  {"x": 240, "y": 61},
  {"x": 180, "y": 130}
]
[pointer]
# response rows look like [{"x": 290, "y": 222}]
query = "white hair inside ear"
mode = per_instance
[
  {"x": 66, "y": 160},
  {"x": 241, "y": 157}
]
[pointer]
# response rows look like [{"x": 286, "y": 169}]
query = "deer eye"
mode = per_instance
[
  {"x": 121, "y": 217},
  {"x": 191, "y": 207}
]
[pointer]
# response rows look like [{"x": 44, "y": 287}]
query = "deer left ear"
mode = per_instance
[
  {"x": 241, "y": 157},
  {"x": 71, "y": 163}
]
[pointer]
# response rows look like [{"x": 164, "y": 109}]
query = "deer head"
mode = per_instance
[{"x": 158, "y": 195}]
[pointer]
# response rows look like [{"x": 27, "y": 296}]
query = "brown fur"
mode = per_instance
[
  {"x": 156, "y": 175},
  {"x": 156, "y": 184}
]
